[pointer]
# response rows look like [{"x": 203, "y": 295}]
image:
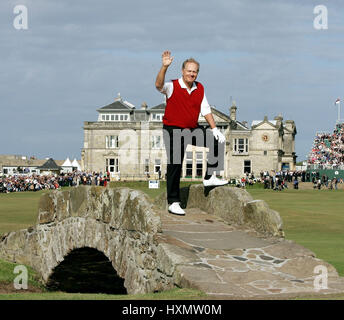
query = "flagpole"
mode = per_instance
[
  {"x": 339, "y": 112},
  {"x": 338, "y": 103}
]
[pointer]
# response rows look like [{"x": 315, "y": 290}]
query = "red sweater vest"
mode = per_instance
[{"x": 182, "y": 109}]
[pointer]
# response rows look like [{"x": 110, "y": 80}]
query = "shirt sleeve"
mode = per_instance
[
  {"x": 205, "y": 107},
  {"x": 167, "y": 89}
]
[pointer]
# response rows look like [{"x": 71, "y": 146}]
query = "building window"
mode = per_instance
[
  {"x": 188, "y": 164},
  {"x": 156, "y": 142},
  {"x": 247, "y": 166},
  {"x": 115, "y": 117},
  {"x": 199, "y": 164},
  {"x": 146, "y": 165},
  {"x": 240, "y": 145},
  {"x": 157, "y": 166},
  {"x": 265, "y": 153},
  {"x": 157, "y": 116},
  {"x": 112, "y": 165},
  {"x": 112, "y": 142}
]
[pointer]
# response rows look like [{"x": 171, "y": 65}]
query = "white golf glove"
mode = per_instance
[{"x": 218, "y": 135}]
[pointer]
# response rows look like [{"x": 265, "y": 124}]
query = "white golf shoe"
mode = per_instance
[
  {"x": 214, "y": 181},
  {"x": 176, "y": 209}
]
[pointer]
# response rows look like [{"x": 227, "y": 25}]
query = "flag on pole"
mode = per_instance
[{"x": 337, "y": 102}]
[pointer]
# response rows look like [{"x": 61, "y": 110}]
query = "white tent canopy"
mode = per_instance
[
  {"x": 67, "y": 163},
  {"x": 76, "y": 164}
]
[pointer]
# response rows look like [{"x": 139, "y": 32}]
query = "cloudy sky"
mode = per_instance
[{"x": 77, "y": 55}]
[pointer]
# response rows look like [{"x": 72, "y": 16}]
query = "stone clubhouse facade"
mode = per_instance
[{"x": 128, "y": 142}]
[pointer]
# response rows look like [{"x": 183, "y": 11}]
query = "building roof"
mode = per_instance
[
  {"x": 242, "y": 125},
  {"x": 160, "y": 106},
  {"x": 118, "y": 105},
  {"x": 49, "y": 165},
  {"x": 223, "y": 115},
  {"x": 256, "y": 122},
  {"x": 22, "y": 163}
]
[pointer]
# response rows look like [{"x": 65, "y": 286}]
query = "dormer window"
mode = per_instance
[
  {"x": 157, "y": 116},
  {"x": 115, "y": 117}
]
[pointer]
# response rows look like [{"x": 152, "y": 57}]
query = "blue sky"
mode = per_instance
[{"x": 77, "y": 55}]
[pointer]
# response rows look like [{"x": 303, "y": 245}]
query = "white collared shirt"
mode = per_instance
[{"x": 168, "y": 90}]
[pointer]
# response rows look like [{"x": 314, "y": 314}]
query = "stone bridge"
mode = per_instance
[{"x": 227, "y": 245}]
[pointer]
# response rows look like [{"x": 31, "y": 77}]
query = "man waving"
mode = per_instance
[{"x": 185, "y": 100}]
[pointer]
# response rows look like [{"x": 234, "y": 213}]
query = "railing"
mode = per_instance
[{"x": 325, "y": 167}]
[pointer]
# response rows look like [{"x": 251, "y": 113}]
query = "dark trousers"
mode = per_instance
[{"x": 176, "y": 140}]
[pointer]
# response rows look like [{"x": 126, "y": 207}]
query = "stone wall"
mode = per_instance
[{"x": 235, "y": 206}]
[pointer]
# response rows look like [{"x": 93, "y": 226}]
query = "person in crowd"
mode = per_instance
[{"x": 296, "y": 183}]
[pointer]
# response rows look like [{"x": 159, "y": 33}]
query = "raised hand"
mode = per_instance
[{"x": 166, "y": 58}]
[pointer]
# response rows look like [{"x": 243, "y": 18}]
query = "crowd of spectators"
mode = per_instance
[
  {"x": 278, "y": 180},
  {"x": 248, "y": 179},
  {"x": 325, "y": 182},
  {"x": 328, "y": 149},
  {"x": 34, "y": 182}
]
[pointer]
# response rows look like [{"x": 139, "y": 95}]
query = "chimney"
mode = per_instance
[
  {"x": 232, "y": 113},
  {"x": 144, "y": 106},
  {"x": 279, "y": 118}
]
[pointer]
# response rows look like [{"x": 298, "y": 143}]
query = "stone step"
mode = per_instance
[{"x": 229, "y": 262}]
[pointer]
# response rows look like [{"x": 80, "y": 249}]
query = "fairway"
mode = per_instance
[
  {"x": 18, "y": 210},
  {"x": 312, "y": 218}
]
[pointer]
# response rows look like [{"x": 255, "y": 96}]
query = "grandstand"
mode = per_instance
[{"x": 328, "y": 150}]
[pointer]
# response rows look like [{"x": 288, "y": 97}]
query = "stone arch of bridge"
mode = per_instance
[
  {"x": 77, "y": 233},
  {"x": 86, "y": 270}
]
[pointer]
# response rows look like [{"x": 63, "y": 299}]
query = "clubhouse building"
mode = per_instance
[{"x": 128, "y": 142}]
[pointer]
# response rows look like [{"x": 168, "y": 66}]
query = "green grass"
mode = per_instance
[
  {"x": 312, "y": 218},
  {"x": 7, "y": 274},
  {"x": 174, "y": 294},
  {"x": 18, "y": 210}
]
